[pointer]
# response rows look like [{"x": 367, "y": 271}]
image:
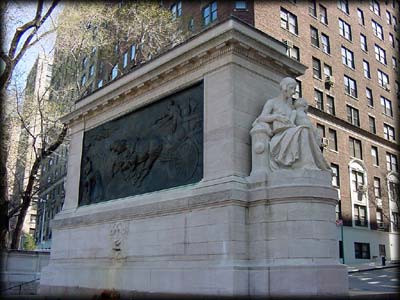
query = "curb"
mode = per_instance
[{"x": 372, "y": 269}]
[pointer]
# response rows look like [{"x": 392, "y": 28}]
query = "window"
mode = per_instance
[
  {"x": 191, "y": 25},
  {"x": 210, "y": 13},
  {"x": 368, "y": 95},
  {"x": 330, "y": 105},
  {"x": 316, "y": 67},
  {"x": 321, "y": 130},
  {"x": 360, "y": 215},
  {"x": 394, "y": 189},
  {"x": 350, "y": 86},
  {"x": 391, "y": 162},
  {"x": 326, "y": 47},
  {"x": 377, "y": 187},
  {"x": 388, "y": 18},
  {"x": 314, "y": 36},
  {"x": 341, "y": 249},
  {"x": 293, "y": 52},
  {"x": 383, "y": 79},
  {"x": 288, "y": 21},
  {"x": 345, "y": 29},
  {"x": 367, "y": 72},
  {"x": 388, "y": 132},
  {"x": 357, "y": 180},
  {"x": 133, "y": 52},
  {"x": 343, "y": 5},
  {"x": 379, "y": 223},
  {"x": 361, "y": 251},
  {"x": 298, "y": 92},
  {"x": 125, "y": 60},
  {"x": 32, "y": 218},
  {"x": 83, "y": 79},
  {"x": 391, "y": 39},
  {"x": 332, "y": 140},
  {"x": 323, "y": 14},
  {"x": 395, "y": 221},
  {"x": 360, "y": 15},
  {"x": 114, "y": 72},
  {"x": 377, "y": 29},
  {"x": 355, "y": 148},
  {"x": 375, "y": 7},
  {"x": 85, "y": 61},
  {"x": 380, "y": 54},
  {"x": 394, "y": 62},
  {"x": 240, "y": 5},
  {"x": 91, "y": 70},
  {"x": 382, "y": 250},
  {"x": 374, "y": 154},
  {"x": 318, "y": 96},
  {"x": 363, "y": 42},
  {"x": 347, "y": 57},
  {"x": 176, "y": 9},
  {"x": 372, "y": 126},
  {"x": 335, "y": 175},
  {"x": 327, "y": 70},
  {"x": 353, "y": 116},
  {"x": 387, "y": 106},
  {"x": 312, "y": 8}
]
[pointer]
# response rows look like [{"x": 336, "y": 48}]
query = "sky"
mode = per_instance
[{"x": 17, "y": 14}]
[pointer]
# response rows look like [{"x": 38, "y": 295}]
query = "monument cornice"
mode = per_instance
[
  {"x": 228, "y": 39},
  {"x": 230, "y": 196}
]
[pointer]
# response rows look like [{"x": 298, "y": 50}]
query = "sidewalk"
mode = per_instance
[{"x": 370, "y": 266}]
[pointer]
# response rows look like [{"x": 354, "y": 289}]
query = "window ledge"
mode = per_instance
[
  {"x": 352, "y": 97},
  {"x": 287, "y": 30}
]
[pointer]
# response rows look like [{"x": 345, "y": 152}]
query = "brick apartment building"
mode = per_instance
[{"x": 352, "y": 50}]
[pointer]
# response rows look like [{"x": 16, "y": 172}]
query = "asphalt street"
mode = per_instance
[{"x": 384, "y": 280}]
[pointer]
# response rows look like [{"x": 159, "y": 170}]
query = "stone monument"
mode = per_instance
[{"x": 168, "y": 193}]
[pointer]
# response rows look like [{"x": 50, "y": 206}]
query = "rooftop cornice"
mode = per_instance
[{"x": 227, "y": 38}]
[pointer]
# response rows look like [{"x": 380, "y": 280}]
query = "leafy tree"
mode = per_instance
[
  {"x": 29, "y": 242},
  {"x": 23, "y": 37},
  {"x": 81, "y": 28}
]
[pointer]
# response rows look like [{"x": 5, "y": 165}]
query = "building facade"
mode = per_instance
[{"x": 352, "y": 50}]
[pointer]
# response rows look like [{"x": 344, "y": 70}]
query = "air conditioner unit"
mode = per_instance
[
  {"x": 361, "y": 188},
  {"x": 330, "y": 80},
  {"x": 288, "y": 43},
  {"x": 386, "y": 86},
  {"x": 379, "y": 203},
  {"x": 325, "y": 142}
]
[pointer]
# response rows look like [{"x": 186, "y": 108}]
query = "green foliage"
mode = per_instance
[
  {"x": 106, "y": 30},
  {"x": 29, "y": 242}
]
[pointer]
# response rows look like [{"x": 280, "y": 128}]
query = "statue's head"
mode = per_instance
[
  {"x": 288, "y": 86},
  {"x": 287, "y": 82},
  {"x": 301, "y": 103}
]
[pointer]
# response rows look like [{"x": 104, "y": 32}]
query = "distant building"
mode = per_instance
[
  {"x": 51, "y": 194},
  {"x": 352, "y": 51},
  {"x": 37, "y": 85}
]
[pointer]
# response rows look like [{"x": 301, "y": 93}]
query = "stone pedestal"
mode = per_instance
[
  {"x": 292, "y": 233},
  {"x": 228, "y": 234}
]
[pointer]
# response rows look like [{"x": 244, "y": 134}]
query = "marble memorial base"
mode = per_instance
[{"x": 222, "y": 238}]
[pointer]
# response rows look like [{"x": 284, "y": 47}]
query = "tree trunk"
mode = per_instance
[
  {"x": 27, "y": 196},
  {"x": 4, "y": 220}
]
